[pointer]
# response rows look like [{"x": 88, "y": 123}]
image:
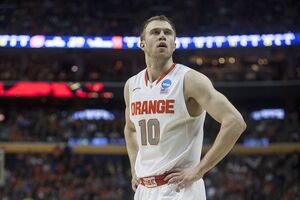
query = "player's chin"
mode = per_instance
[
  {"x": 162, "y": 49},
  {"x": 162, "y": 56},
  {"x": 163, "y": 53}
]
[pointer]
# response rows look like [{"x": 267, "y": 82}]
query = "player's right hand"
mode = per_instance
[{"x": 134, "y": 183}]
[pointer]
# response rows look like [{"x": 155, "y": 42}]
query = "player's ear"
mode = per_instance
[{"x": 142, "y": 45}]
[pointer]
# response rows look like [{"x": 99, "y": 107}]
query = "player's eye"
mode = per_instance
[
  {"x": 168, "y": 32},
  {"x": 156, "y": 32}
]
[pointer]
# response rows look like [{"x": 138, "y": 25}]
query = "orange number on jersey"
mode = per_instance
[{"x": 150, "y": 131}]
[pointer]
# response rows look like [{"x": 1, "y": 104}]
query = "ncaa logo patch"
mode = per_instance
[{"x": 165, "y": 85}]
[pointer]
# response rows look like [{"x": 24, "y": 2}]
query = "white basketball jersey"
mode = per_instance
[{"x": 167, "y": 135}]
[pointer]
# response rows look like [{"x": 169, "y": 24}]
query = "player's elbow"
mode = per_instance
[
  {"x": 236, "y": 124},
  {"x": 240, "y": 125}
]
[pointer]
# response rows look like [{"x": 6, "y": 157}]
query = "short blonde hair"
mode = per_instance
[{"x": 156, "y": 18}]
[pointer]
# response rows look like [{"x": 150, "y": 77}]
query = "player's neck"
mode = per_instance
[{"x": 157, "y": 67}]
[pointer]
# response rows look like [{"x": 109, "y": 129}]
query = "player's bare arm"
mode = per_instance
[
  {"x": 130, "y": 138},
  {"x": 200, "y": 95}
]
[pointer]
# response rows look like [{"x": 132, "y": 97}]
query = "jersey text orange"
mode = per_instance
[{"x": 153, "y": 107}]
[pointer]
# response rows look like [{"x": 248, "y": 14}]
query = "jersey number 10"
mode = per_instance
[{"x": 150, "y": 131}]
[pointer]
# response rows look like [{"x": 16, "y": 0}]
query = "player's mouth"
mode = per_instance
[{"x": 162, "y": 44}]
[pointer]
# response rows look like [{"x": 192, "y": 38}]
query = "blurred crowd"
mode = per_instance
[
  {"x": 64, "y": 67},
  {"x": 254, "y": 177},
  {"x": 123, "y": 17},
  {"x": 64, "y": 175},
  {"x": 260, "y": 131},
  {"x": 55, "y": 125},
  {"x": 110, "y": 66},
  {"x": 239, "y": 69}
]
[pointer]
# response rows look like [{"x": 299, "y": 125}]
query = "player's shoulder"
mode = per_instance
[
  {"x": 195, "y": 80},
  {"x": 192, "y": 74},
  {"x": 196, "y": 84},
  {"x": 139, "y": 74},
  {"x": 135, "y": 77},
  {"x": 182, "y": 67}
]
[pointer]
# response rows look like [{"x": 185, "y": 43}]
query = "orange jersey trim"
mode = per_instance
[{"x": 161, "y": 77}]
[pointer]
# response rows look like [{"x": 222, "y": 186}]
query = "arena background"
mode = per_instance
[{"x": 61, "y": 93}]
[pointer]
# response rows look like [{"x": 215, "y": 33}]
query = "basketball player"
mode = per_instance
[{"x": 166, "y": 104}]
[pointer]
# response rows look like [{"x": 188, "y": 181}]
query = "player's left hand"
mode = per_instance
[{"x": 183, "y": 177}]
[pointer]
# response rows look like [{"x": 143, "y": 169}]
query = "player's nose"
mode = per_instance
[{"x": 162, "y": 35}]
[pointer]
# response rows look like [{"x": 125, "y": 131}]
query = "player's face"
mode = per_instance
[{"x": 159, "y": 40}]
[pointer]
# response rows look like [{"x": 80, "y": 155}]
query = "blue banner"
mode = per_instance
[{"x": 132, "y": 42}]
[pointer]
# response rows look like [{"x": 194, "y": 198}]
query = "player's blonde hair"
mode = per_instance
[{"x": 156, "y": 18}]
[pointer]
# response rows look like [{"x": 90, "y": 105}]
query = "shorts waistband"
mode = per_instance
[{"x": 153, "y": 181}]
